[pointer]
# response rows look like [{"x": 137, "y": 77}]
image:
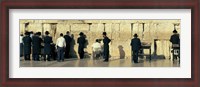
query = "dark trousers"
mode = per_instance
[
  {"x": 35, "y": 57},
  {"x": 60, "y": 53},
  {"x": 106, "y": 55},
  {"x": 67, "y": 50},
  {"x": 135, "y": 55},
  {"x": 81, "y": 53},
  {"x": 48, "y": 57},
  {"x": 21, "y": 49},
  {"x": 27, "y": 56}
]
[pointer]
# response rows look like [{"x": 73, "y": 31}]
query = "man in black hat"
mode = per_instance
[
  {"x": 106, "y": 42},
  {"x": 47, "y": 46},
  {"x": 175, "y": 40},
  {"x": 68, "y": 40},
  {"x": 27, "y": 46},
  {"x": 136, "y": 45},
  {"x": 36, "y": 46},
  {"x": 81, "y": 41}
]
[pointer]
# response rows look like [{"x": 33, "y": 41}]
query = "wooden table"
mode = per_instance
[{"x": 146, "y": 46}]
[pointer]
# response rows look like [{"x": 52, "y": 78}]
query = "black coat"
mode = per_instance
[
  {"x": 68, "y": 39},
  {"x": 36, "y": 42},
  {"x": 175, "y": 39},
  {"x": 106, "y": 42},
  {"x": 47, "y": 44},
  {"x": 81, "y": 41},
  {"x": 27, "y": 44},
  {"x": 135, "y": 44}
]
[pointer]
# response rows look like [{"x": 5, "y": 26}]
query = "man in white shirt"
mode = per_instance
[
  {"x": 96, "y": 48},
  {"x": 21, "y": 45},
  {"x": 31, "y": 34},
  {"x": 60, "y": 45}
]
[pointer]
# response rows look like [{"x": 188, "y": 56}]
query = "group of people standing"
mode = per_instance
[
  {"x": 64, "y": 42},
  {"x": 34, "y": 41},
  {"x": 62, "y": 45}
]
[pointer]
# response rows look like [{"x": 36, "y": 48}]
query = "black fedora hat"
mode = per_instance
[
  {"x": 67, "y": 32},
  {"x": 47, "y": 32},
  {"x": 27, "y": 33},
  {"x": 174, "y": 31},
  {"x": 38, "y": 33},
  {"x": 135, "y": 35},
  {"x": 81, "y": 33},
  {"x": 104, "y": 33}
]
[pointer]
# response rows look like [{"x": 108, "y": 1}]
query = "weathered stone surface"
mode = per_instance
[
  {"x": 35, "y": 27},
  {"x": 96, "y": 28},
  {"x": 80, "y": 27},
  {"x": 120, "y": 31},
  {"x": 22, "y": 28},
  {"x": 163, "y": 48}
]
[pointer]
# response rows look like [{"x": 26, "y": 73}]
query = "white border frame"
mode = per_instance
[{"x": 184, "y": 71}]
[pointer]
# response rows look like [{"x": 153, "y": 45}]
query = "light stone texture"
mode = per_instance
[{"x": 118, "y": 30}]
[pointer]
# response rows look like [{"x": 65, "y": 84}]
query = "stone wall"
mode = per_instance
[{"x": 120, "y": 31}]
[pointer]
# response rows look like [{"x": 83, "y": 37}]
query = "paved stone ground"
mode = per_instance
[{"x": 87, "y": 62}]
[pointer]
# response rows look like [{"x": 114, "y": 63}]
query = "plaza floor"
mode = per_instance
[{"x": 113, "y": 62}]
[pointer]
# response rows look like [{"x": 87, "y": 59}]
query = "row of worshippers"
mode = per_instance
[
  {"x": 28, "y": 42},
  {"x": 34, "y": 41},
  {"x": 136, "y": 46},
  {"x": 63, "y": 44}
]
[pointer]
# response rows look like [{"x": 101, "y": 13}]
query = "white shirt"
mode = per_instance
[
  {"x": 21, "y": 41},
  {"x": 96, "y": 46},
  {"x": 31, "y": 35},
  {"x": 61, "y": 42}
]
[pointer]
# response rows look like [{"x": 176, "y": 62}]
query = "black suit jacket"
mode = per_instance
[
  {"x": 175, "y": 39},
  {"x": 47, "y": 44},
  {"x": 106, "y": 42},
  {"x": 81, "y": 41},
  {"x": 135, "y": 44},
  {"x": 27, "y": 44},
  {"x": 36, "y": 42},
  {"x": 68, "y": 39}
]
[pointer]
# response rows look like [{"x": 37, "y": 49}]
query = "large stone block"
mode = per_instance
[
  {"x": 80, "y": 27},
  {"x": 125, "y": 27},
  {"x": 125, "y": 31},
  {"x": 97, "y": 28},
  {"x": 109, "y": 27},
  {"x": 163, "y": 48},
  {"x": 35, "y": 27},
  {"x": 22, "y": 28},
  {"x": 63, "y": 27}
]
